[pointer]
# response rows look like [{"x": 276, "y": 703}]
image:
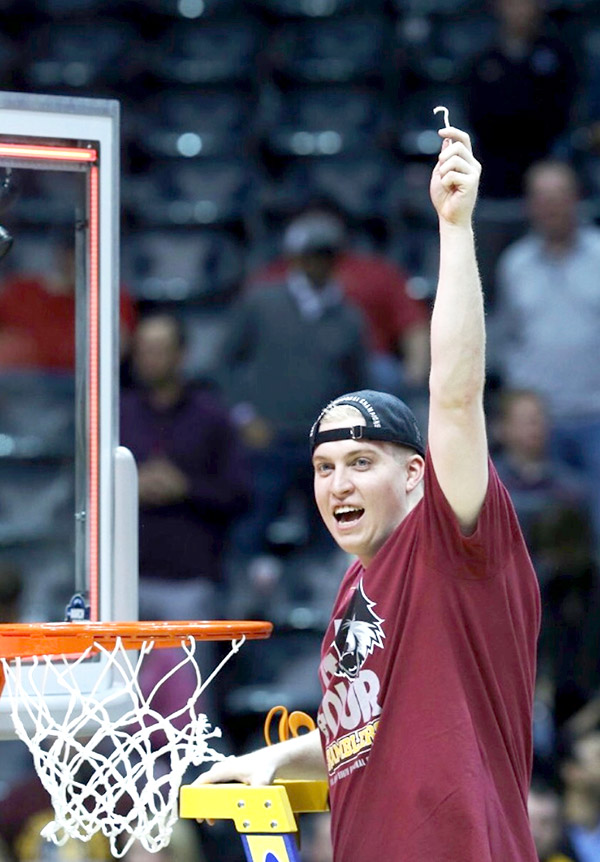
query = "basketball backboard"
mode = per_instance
[{"x": 62, "y": 154}]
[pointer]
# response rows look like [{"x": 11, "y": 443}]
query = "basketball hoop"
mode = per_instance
[{"x": 104, "y": 774}]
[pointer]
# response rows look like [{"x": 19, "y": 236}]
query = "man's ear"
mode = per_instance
[{"x": 415, "y": 469}]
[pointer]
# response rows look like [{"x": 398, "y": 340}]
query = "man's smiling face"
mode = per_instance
[{"x": 361, "y": 489}]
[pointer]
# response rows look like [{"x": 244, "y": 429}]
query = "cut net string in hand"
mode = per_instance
[{"x": 118, "y": 776}]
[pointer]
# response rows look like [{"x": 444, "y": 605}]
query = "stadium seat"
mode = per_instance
[
  {"x": 76, "y": 56},
  {"x": 192, "y": 54},
  {"x": 336, "y": 50},
  {"x": 47, "y": 570},
  {"x": 9, "y": 60},
  {"x": 46, "y": 197},
  {"x": 181, "y": 265},
  {"x": 318, "y": 8},
  {"x": 32, "y": 251},
  {"x": 36, "y": 499},
  {"x": 192, "y": 9},
  {"x": 14, "y": 7},
  {"x": 64, "y": 9},
  {"x": 326, "y": 121},
  {"x": 37, "y": 415},
  {"x": 193, "y": 193},
  {"x": 364, "y": 188},
  {"x": 176, "y": 124},
  {"x": 591, "y": 52},
  {"x": 439, "y": 48},
  {"x": 585, "y": 7},
  {"x": 440, "y": 7}
]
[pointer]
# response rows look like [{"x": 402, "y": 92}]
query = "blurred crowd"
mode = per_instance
[{"x": 324, "y": 285}]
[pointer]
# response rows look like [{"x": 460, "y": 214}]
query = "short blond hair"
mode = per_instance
[{"x": 341, "y": 413}]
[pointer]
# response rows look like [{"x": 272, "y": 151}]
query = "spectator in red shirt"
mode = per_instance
[
  {"x": 397, "y": 324},
  {"x": 37, "y": 316}
]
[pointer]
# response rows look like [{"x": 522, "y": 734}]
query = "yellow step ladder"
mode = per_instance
[{"x": 263, "y": 816}]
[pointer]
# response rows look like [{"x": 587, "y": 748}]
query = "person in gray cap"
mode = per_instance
[
  {"x": 397, "y": 324},
  {"x": 428, "y": 663},
  {"x": 290, "y": 346}
]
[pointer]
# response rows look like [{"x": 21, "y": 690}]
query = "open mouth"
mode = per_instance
[{"x": 347, "y": 514}]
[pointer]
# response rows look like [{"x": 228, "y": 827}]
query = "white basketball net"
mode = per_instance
[{"x": 105, "y": 774}]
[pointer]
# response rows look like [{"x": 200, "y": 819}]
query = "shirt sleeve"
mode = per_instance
[{"x": 480, "y": 554}]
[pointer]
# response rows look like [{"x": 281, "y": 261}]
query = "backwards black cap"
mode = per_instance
[{"x": 386, "y": 417}]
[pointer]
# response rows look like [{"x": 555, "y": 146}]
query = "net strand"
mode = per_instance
[{"x": 107, "y": 774}]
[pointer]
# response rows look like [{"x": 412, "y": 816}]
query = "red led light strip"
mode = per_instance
[
  {"x": 84, "y": 156},
  {"x": 93, "y": 393},
  {"x": 60, "y": 154}
]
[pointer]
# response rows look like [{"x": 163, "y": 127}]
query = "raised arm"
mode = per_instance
[{"x": 457, "y": 435}]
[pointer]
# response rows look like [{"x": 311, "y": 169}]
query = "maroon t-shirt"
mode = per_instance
[{"x": 428, "y": 670}]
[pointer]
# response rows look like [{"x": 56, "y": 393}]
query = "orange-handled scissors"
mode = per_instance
[{"x": 290, "y": 724}]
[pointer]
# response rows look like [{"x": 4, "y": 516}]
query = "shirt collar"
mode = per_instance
[
  {"x": 312, "y": 302},
  {"x": 575, "y": 248}
]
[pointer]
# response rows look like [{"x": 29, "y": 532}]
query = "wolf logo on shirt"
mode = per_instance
[
  {"x": 357, "y": 634},
  {"x": 349, "y": 713}
]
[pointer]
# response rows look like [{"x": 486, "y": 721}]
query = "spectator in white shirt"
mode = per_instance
[{"x": 548, "y": 318}]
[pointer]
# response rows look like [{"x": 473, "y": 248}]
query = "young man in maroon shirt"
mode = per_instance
[{"x": 428, "y": 663}]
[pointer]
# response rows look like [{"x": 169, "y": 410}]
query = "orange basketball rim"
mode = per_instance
[{"x": 26, "y": 640}]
